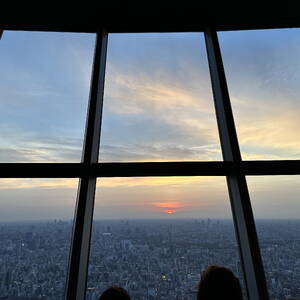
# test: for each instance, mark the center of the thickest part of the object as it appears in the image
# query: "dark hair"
(115, 293)
(217, 283)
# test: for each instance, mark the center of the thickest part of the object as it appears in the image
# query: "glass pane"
(153, 236)
(36, 218)
(263, 74)
(44, 86)
(276, 206)
(158, 102)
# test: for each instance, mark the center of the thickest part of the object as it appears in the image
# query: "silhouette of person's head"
(115, 293)
(217, 283)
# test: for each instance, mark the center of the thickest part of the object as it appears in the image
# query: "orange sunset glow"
(170, 211)
(168, 207)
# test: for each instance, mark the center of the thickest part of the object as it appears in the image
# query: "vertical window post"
(237, 185)
(78, 261)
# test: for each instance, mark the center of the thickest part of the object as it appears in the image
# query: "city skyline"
(152, 260)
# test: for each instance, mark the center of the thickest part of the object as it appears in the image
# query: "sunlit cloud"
(142, 92)
(180, 110)
(156, 181)
(27, 183)
(270, 136)
(263, 75)
(167, 204)
(268, 133)
(34, 183)
(158, 100)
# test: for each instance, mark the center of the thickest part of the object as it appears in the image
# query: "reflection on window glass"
(263, 72)
(153, 236)
(44, 86)
(158, 102)
(276, 206)
(35, 232)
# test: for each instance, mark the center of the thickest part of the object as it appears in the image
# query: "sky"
(158, 106)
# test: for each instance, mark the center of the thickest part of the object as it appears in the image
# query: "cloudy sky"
(158, 106)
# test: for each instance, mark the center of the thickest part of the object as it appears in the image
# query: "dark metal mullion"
(124, 169)
(237, 185)
(148, 169)
(79, 256)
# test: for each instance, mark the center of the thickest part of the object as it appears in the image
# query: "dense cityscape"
(152, 259)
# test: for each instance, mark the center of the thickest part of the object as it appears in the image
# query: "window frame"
(89, 169)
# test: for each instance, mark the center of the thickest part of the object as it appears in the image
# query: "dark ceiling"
(147, 17)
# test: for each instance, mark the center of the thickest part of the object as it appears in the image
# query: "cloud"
(158, 152)
(143, 92)
(33, 148)
(44, 91)
(262, 68)
(178, 120)
(158, 99)
(172, 181)
(38, 183)
(267, 132)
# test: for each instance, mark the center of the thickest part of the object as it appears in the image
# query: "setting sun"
(168, 207)
(169, 211)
